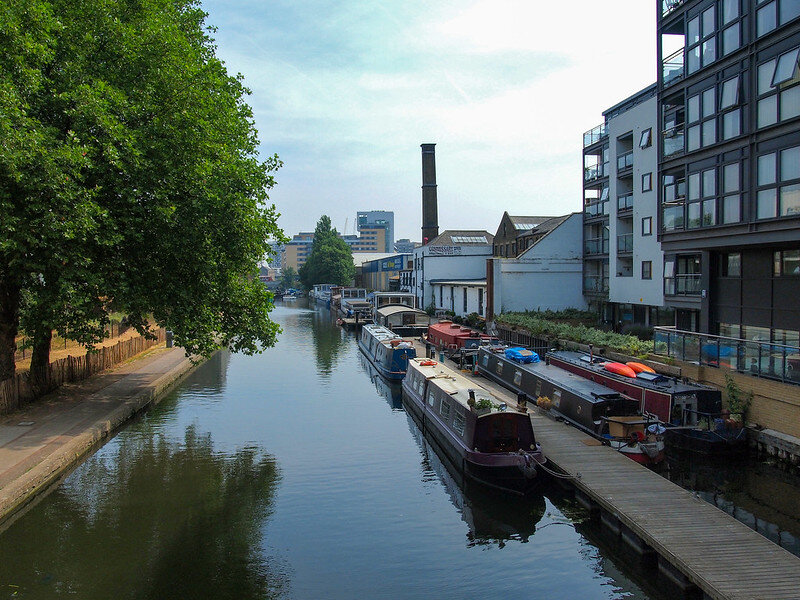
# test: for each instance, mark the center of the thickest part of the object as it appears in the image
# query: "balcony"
(594, 284)
(595, 246)
(667, 6)
(682, 285)
(594, 172)
(756, 358)
(598, 209)
(594, 135)
(624, 202)
(625, 243)
(625, 161)
(672, 67)
(673, 140)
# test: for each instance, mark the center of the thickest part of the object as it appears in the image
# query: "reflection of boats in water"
(492, 518)
(391, 391)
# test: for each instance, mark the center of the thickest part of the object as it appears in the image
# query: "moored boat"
(451, 336)
(403, 320)
(478, 434)
(387, 351)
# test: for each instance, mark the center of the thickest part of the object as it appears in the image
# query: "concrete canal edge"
(21, 493)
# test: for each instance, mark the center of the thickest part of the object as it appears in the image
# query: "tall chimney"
(430, 216)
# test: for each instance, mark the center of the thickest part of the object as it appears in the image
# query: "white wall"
(452, 298)
(470, 264)
(548, 275)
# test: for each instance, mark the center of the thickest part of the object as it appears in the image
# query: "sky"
(345, 91)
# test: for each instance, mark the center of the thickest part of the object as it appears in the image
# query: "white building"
(454, 255)
(546, 276)
(461, 297)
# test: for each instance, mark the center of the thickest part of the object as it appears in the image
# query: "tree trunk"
(9, 326)
(40, 361)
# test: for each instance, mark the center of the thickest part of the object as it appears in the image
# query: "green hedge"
(554, 330)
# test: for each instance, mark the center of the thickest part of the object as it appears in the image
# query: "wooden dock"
(698, 547)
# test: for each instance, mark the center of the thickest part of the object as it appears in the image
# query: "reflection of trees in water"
(493, 518)
(329, 340)
(211, 376)
(156, 519)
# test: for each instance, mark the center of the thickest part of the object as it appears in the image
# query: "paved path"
(43, 441)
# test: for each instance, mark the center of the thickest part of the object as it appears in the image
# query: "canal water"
(296, 474)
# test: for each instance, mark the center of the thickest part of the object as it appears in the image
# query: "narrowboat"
(479, 435)
(321, 293)
(389, 352)
(603, 413)
(691, 412)
(403, 320)
(452, 336)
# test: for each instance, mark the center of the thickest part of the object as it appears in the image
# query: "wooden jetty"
(698, 547)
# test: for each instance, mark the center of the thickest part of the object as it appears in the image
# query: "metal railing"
(754, 357)
(625, 161)
(596, 284)
(682, 285)
(625, 243)
(672, 67)
(595, 246)
(594, 135)
(625, 202)
(673, 140)
(667, 6)
(597, 209)
(594, 172)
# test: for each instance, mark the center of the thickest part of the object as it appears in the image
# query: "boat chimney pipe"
(472, 395)
(430, 211)
(591, 354)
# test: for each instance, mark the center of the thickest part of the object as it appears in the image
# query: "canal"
(295, 474)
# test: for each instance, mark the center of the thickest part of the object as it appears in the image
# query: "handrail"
(594, 135)
(667, 6)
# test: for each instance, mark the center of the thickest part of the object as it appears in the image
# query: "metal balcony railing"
(753, 357)
(594, 135)
(596, 209)
(625, 243)
(595, 284)
(667, 6)
(594, 172)
(682, 285)
(625, 202)
(595, 246)
(672, 67)
(673, 140)
(625, 161)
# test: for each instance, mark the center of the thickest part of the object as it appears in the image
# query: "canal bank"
(46, 440)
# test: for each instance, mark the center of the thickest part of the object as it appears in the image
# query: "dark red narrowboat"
(452, 336)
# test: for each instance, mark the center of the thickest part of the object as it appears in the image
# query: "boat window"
(499, 368)
(538, 387)
(517, 377)
(485, 360)
(445, 410)
(556, 398)
(458, 422)
(430, 398)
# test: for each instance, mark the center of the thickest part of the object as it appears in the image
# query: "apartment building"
(729, 166)
(377, 226)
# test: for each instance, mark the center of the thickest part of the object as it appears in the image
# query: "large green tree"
(330, 260)
(129, 178)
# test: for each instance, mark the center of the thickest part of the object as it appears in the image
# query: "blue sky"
(346, 91)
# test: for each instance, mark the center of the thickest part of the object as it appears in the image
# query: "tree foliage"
(289, 278)
(330, 260)
(129, 177)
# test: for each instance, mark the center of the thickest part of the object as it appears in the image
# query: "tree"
(288, 278)
(330, 260)
(129, 178)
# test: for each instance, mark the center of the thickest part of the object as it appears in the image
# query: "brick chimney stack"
(430, 211)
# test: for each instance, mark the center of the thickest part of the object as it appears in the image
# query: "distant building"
(381, 273)
(516, 234)
(377, 223)
(276, 257)
(460, 296)
(405, 246)
(297, 251)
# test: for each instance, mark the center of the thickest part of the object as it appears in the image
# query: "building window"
(647, 226)
(778, 89)
(702, 120)
(647, 138)
(776, 12)
(701, 208)
(787, 263)
(441, 294)
(731, 264)
(647, 182)
(465, 300)
(674, 196)
(647, 269)
(701, 49)
(778, 184)
(480, 301)
(731, 200)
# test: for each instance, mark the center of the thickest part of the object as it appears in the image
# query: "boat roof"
(452, 382)
(380, 332)
(391, 309)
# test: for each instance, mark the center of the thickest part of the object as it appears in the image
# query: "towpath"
(45, 440)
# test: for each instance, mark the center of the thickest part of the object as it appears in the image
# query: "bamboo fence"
(17, 390)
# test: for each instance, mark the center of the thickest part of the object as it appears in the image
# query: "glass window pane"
(709, 51)
(765, 72)
(709, 183)
(790, 9)
(693, 106)
(708, 22)
(709, 132)
(766, 19)
(693, 138)
(766, 169)
(730, 209)
(790, 102)
(766, 204)
(730, 10)
(731, 124)
(790, 163)
(730, 39)
(786, 67)
(768, 111)
(790, 200)
(790, 262)
(693, 215)
(693, 31)
(730, 93)
(708, 102)
(693, 61)
(694, 186)
(709, 212)
(730, 178)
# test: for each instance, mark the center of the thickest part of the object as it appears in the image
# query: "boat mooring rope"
(558, 475)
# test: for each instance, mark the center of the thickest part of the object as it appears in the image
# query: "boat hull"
(390, 361)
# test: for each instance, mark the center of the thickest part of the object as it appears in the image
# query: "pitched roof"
(545, 226)
(526, 223)
(552, 224)
(463, 237)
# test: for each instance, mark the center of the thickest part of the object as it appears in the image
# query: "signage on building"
(388, 265)
(444, 250)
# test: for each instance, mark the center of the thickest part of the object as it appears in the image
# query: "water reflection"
(176, 520)
(329, 340)
(391, 392)
(211, 379)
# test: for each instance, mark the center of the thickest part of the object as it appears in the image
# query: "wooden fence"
(15, 391)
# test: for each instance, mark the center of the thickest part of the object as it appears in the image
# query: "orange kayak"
(619, 369)
(640, 368)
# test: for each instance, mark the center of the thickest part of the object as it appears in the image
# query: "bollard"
(169, 339)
